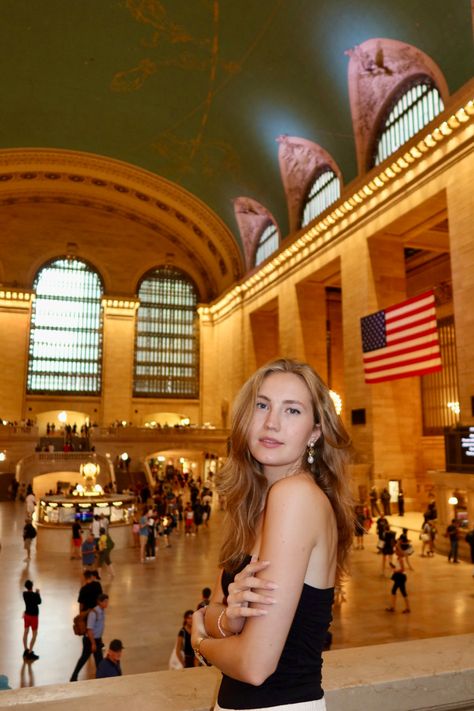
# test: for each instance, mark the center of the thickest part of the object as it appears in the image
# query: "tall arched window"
(167, 343)
(411, 109)
(267, 244)
(325, 190)
(65, 353)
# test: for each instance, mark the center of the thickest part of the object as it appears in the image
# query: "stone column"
(15, 316)
(373, 277)
(312, 322)
(118, 355)
(461, 239)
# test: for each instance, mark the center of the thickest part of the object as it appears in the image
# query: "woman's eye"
(293, 411)
(261, 405)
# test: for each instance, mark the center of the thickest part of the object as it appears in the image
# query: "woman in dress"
(290, 524)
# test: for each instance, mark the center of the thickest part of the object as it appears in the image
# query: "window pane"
(166, 344)
(65, 352)
(439, 391)
(325, 190)
(414, 109)
(268, 244)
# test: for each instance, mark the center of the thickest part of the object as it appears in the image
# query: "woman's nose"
(272, 421)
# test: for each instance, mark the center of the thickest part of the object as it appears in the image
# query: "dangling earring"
(311, 453)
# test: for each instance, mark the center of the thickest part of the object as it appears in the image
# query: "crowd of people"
(286, 464)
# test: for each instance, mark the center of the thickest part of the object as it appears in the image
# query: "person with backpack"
(105, 545)
(29, 534)
(92, 639)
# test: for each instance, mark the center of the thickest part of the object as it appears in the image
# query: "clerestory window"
(325, 190)
(411, 109)
(167, 336)
(65, 349)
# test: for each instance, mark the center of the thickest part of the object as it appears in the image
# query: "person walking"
(290, 527)
(388, 547)
(404, 549)
(399, 583)
(29, 534)
(92, 640)
(31, 616)
(110, 664)
(105, 546)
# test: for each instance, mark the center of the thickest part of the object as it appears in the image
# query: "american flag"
(401, 341)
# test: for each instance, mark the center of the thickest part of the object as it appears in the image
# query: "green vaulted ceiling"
(197, 91)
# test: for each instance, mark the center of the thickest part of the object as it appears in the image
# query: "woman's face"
(282, 425)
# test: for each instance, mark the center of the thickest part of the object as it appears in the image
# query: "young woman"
(290, 526)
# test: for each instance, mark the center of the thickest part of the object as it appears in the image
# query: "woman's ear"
(315, 435)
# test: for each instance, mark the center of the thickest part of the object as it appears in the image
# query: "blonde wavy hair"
(244, 486)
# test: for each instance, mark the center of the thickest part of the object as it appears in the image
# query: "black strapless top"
(297, 677)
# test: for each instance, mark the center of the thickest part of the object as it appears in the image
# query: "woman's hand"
(199, 628)
(245, 589)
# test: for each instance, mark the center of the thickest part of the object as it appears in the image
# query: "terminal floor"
(147, 600)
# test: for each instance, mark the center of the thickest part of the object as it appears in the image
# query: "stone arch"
(74, 197)
(252, 218)
(376, 69)
(300, 160)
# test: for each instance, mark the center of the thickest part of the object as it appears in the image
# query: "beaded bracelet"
(219, 625)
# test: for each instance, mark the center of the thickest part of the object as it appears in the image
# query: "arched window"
(65, 352)
(267, 244)
(166, 342)
(411, 110)
(325, 190)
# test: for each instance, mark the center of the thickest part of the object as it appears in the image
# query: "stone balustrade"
(430, 674)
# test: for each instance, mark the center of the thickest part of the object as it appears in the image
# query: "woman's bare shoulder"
(300, 488)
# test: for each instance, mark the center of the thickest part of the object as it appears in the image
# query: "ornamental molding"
(114, 186)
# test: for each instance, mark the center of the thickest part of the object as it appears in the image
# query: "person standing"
(31, 616)
(452, 532)
(206, 598)
(385, 499)
(29, 534)
(110, 664)
(374, 507)
(92, 640)
(290, 527)
(469, 538)
(88, 551)
(184, 648)
(143, 533)
(401, 502)
(76, 541)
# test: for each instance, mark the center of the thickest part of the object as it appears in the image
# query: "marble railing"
(424, 675)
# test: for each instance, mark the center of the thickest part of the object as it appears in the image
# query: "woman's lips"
(269, 442)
